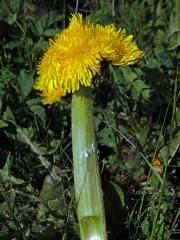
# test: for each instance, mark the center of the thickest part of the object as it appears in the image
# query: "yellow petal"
(49, 97)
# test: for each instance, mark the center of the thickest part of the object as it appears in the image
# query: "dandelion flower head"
(75, 55)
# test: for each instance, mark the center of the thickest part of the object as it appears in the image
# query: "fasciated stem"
(90, 207)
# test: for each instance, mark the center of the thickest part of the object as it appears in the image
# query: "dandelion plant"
(70, 65)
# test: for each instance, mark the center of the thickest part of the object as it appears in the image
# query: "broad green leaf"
(172, 24)
(23, 135)
(11, 18)
(140, 87)
(53, 17)
(51, 190)
(35, 147)
(37, 28)
(16, 181)
(174, 41)
(39, 111)
(51, 32)
(165, 59)
(102, 15)
(41, 45)
(25, 82)
(116, 73)
(14, 5)
(33, 101)
(54, 144)
(51, 196)
(129, 75)
(153, 63)
(8, 115)
(106, 137)
(134, 161)
(3, 124)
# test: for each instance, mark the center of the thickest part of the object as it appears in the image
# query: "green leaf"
(106, 137)
(145, 227)
(53, 17)
(41, 45)
(153, 63)
(54, 146)
(140, 87)
(16, 181)
(51, 196)
(51, 32)
(119, 191)
(25, 82)
(3, 208)
(33, 101)
(134, 161)
(37, 27)
(28, 132)
(160, 226)
(129, 75)
(116, 73)
(39, 111)
(8, 115)
(154, 181)
(3, 124)
(0, 104)
(4, 172)
(14, 5)
(11, 18)
(51, 190)
(174, 41)
(170, 151)
(172, 25)
(143, 135)
(23, 135)
(102, 16)
(13, 44)
(165, 59)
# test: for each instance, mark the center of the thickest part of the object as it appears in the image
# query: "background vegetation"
(137, 121)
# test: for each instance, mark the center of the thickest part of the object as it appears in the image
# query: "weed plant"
(137, 119)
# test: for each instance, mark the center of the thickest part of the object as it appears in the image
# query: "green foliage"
(137, 119)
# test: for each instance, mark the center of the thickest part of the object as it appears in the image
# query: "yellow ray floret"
(75, 56)
(51, 96)
(116, 46)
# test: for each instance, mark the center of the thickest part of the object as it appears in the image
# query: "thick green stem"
(90, 208)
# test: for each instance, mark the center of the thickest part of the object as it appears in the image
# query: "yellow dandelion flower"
(75, 55)
(116, 46)
(72, 59)
(49, 97)
(158, 165)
